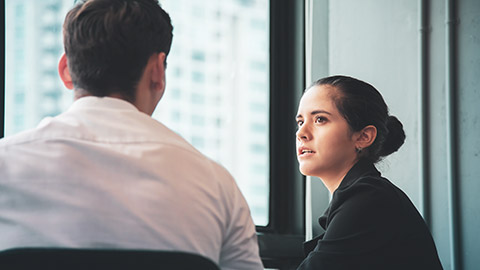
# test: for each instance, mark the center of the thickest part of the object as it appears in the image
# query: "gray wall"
(379, 41)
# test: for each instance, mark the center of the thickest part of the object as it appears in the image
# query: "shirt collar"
(92, 102)
(360, 169)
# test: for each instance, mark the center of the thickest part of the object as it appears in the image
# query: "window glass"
(33, 46)
(217, 94)
(224, 45)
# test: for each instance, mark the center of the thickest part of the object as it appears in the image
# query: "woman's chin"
(305, 170)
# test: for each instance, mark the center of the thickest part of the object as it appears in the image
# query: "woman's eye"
(320, 119)
(299, 123)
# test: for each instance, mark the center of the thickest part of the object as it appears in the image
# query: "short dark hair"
(108, 43)
(362, 105)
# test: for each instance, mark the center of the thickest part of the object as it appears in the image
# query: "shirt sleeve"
(240, 246)
(361, 221)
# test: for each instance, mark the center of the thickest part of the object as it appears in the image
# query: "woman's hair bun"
(395, 136)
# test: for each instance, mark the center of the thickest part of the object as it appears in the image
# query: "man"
(104, 174)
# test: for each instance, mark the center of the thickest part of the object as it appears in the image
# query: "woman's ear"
(365, 137)
(64, 72)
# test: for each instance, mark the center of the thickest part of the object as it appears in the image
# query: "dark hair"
(362, 105)
(108, 43)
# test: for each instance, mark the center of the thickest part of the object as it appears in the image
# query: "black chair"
(87, 259)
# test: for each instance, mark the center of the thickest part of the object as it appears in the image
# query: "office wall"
(469, 130)
(381, 42)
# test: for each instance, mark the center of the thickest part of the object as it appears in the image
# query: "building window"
(198, 77)
(198, 56)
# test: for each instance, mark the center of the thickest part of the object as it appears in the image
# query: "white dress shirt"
(105, 175)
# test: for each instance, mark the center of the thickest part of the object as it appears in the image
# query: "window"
(198, 56)
(197, 76)
(33, 45)
(233, 82)
(221, 71)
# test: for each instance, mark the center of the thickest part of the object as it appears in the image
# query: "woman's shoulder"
(370, 193)
(368, 185)
(364, 177)
(364, 190)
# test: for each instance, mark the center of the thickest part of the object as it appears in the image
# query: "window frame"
(279, 241)
(2, 76)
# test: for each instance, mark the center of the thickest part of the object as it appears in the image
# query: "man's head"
(108, 44)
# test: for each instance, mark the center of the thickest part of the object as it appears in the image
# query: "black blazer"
(371, 224)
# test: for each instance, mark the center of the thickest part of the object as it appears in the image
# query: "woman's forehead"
(318, 97)
(321, 91)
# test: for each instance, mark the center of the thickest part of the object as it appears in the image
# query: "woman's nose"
(302, 133)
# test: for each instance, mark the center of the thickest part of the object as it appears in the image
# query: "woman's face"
(325, 144)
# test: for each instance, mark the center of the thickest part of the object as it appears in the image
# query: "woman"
(343, 129)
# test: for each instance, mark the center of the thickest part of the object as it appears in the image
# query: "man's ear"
(64, 72)
(158, 73)
(365, 137)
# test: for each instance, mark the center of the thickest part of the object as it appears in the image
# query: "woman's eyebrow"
(320, 111)
(314, 113)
